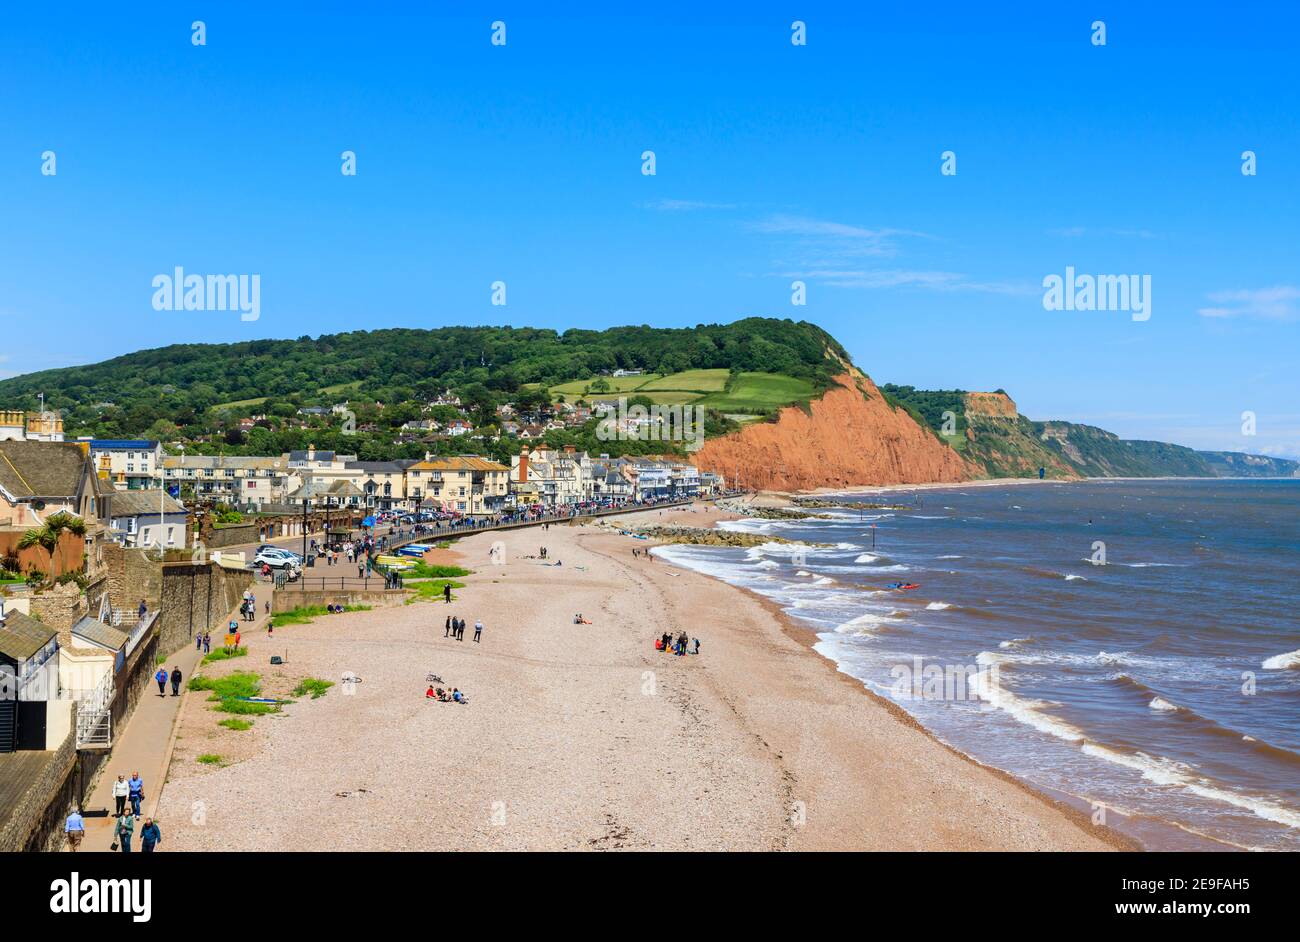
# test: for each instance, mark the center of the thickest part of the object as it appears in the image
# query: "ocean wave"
(987, 685)
(1014, 643)
(1169, 772)
(1159, 703)
(1282, 662)
(1071, 577)
(950, 557)
(938, 606)
(823, 580)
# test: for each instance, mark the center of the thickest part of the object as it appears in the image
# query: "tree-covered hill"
(179, 384)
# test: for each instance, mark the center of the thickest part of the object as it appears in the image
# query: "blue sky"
(522, 163)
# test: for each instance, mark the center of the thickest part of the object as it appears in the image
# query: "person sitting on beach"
(666, 640)
(457, 696)
(430, 694)
(579, 620)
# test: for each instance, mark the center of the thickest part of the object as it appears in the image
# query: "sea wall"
(197, 597)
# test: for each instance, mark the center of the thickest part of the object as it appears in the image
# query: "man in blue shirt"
(75, 829)
(151, 836)
(136, 787)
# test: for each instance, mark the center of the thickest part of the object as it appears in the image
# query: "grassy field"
(704, 381)
(617, 384)
(758, 392)
(749, 392)
(241, 403)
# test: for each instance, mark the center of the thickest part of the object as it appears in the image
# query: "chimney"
(523, 465)
(311, 452)
(569, 449)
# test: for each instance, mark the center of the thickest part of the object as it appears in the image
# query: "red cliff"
(849, 437)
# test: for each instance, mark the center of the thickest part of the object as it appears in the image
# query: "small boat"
(904, 585)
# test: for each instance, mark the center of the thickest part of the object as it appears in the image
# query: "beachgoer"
(176, 681)
(697, 646)
(161, 677)
(136, 788)
(75, 829)
(150, 836)
(447, 631)
(207, 642)
(429, 694)
(198, 642)
(478, 629)
(122, 832)
(120, 791)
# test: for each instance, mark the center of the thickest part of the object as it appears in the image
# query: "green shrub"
(314, 686)
(235, 724)
(209, 758)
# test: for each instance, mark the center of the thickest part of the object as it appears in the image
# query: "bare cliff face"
(852, 437)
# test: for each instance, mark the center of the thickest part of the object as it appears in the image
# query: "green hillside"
(188, 386)
(1006, 446)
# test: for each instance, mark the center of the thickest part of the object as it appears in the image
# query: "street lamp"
(306, 502)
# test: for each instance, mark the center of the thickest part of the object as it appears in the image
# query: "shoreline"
(807, 637)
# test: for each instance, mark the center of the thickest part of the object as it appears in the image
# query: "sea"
(1129, 647)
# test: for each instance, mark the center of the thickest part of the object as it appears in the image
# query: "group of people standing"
(456, 629)
(678, 645)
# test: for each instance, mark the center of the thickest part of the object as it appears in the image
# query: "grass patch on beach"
(227, 691)
(305, 614)
(210, 758)
(314, 686)
(430, 590)
(422, 570)
(224, 654)
(238, 725)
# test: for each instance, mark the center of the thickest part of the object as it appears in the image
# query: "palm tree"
(50, 535)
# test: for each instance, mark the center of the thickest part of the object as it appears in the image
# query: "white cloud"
(1281, 303)
(904, 278)
(678, 206)
(837, 239)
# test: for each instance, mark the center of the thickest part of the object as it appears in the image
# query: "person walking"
(75, 829)
(478, 630)
(122, 832)
(446, 593)
(198, 642)
(361, 571)
(446, 633)
(460, 629)
(120, 791)
(135, 787)
(207, 642)
(176, 681)
(150, 836)
(143, 608)
(161, 677)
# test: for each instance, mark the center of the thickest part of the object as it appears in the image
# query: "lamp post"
(306, 501)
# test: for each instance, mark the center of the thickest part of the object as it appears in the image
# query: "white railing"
(95, 714)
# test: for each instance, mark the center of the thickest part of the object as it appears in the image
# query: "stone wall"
(197, 597)
(288, 599)
(36, 822)
(132, 576)
(60, 607)
(235, 535)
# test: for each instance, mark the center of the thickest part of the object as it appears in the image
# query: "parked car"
(277, 559)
